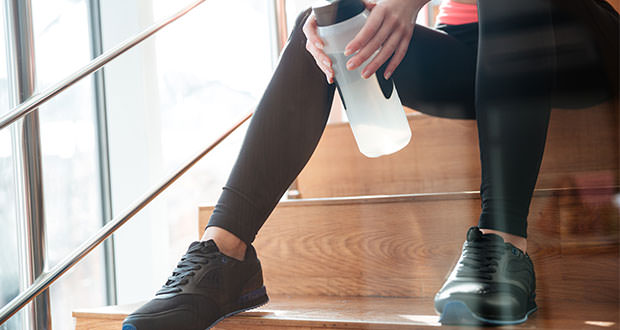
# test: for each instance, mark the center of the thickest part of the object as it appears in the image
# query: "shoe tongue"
(474, 234)
(203, 246)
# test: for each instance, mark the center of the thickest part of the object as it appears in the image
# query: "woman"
(506, 68)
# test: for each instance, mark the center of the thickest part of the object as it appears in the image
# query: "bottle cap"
(337, 11)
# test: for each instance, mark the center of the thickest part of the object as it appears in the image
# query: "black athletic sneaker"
(206, 287)
(493, 283)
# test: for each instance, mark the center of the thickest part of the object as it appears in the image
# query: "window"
(69, 151)
(167, 99)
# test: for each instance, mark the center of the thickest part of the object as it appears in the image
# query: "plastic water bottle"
(372, 105)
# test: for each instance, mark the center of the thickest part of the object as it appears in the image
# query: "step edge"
(374, 199)
(269, 316)
(283, 321)
(250, 316)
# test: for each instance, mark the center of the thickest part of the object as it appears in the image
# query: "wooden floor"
(339, 313)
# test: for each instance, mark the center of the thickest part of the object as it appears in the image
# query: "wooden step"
(357, 313)
(404, 246)
(443, 155)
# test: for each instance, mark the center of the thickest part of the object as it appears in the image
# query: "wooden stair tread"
(115, 312)
(321, 312)
(443, 155)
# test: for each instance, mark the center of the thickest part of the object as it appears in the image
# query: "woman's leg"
(282, 135)
(493, 282)
(437, 75)
(516, 65)
(292, 114)
(518, 59)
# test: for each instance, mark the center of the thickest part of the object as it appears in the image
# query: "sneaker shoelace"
(193, 260)
(480, 259)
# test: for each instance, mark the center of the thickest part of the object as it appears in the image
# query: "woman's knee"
(299, 24)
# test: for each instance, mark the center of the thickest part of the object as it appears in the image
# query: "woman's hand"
(314, 45)
(389, 27)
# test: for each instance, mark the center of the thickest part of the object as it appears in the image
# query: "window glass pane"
(9, 276)
(70, 169)
(4, 82)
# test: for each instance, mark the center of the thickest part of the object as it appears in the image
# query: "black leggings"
(506, 72)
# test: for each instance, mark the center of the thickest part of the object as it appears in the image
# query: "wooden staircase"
(372, 240)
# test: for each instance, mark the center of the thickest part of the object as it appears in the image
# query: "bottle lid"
(337, 11)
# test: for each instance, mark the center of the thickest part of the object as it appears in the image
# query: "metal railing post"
(103, 150)
(27, 148)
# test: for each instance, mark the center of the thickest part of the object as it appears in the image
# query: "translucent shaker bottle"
(372, 105)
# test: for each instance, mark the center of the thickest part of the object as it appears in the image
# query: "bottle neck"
(337, 11)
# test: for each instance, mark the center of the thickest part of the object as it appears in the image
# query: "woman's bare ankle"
(228, 243)
(518, 241)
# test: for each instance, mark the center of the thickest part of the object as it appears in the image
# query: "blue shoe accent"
(251, 296)
(456, 312)
(129, 327)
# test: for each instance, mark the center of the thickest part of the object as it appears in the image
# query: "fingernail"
(365, 74)
(387, 75)
(347, 52)
(326, 62)
(318, 45)
(350, 65)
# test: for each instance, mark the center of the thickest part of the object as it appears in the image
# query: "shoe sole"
(247, 302)
(457, 313)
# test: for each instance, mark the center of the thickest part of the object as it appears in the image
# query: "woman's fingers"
(387, 33)
(314, 45)
(310, 30)
(386, 51)
(369, 4)
(322, 61)
(371, 47)
(372, 25)
(400, 53)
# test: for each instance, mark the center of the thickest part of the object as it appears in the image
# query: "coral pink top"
(456, 13)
